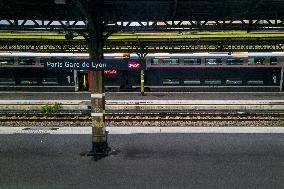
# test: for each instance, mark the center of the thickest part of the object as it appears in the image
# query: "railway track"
(142, 117)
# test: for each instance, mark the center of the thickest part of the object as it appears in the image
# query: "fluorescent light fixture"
(134, 55)
(162, 54)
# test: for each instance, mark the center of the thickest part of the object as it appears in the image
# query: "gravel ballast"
(149, 124)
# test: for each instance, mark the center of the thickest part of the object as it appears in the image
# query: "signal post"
(142, 73)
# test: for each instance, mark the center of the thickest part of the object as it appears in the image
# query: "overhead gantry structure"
(156, 16)
(144, 15)
(97, 20)
(155, 44)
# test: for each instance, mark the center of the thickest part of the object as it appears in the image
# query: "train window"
(255, 82)
(154, 61)
(7, 81)
(165, 61)
(7, 60)
(235, 61)
(212, 82)
(192, 61)
(170, 82)
(234, 81)
(191, 82)
(256, 61)
(28, 81)
(273, 61)
(49, 81)
(251, 61)
(26, 61)
(213, 61)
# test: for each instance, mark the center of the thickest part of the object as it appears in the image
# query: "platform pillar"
(95, 43)
(99, 135)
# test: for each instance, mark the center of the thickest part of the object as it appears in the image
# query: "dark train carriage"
(26, 73)
(213, 76)
(172, 72)
(223, 72)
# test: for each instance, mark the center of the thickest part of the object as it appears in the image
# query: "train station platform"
(141, 160)
(245, 101)
(166, 96)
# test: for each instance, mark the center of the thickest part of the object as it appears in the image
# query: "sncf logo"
(133, 64)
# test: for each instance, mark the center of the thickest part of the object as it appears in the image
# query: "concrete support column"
(99, 138)
(96, 42)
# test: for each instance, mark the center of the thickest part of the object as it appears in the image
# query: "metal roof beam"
(148, 46)
(142, 26)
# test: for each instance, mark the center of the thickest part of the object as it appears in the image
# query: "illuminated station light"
(134, 55)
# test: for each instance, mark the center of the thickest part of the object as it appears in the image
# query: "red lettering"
(110, 72)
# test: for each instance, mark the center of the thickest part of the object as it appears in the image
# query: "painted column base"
(99, 149)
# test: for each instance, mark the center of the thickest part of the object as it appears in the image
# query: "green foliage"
(57, 107)
(45, 108)
(280, 122)
(51, 108)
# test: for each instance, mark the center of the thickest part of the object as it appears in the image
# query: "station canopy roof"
(27, 25)
(143, 10)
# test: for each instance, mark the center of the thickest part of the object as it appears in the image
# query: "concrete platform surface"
(158, 160)
(152, 101)
(138, 130)
(149, 96)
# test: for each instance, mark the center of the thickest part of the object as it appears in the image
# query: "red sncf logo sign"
(133, 64)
